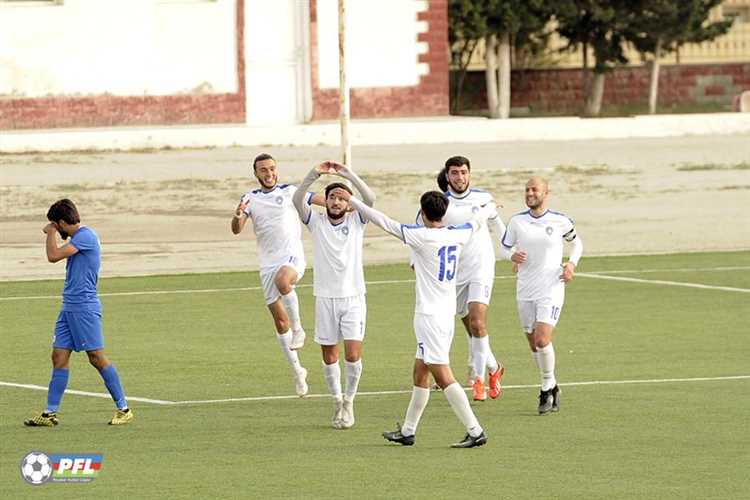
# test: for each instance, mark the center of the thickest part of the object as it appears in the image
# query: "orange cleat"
(479, 394)
(495, 389)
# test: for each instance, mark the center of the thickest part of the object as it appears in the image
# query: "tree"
(601, 26)
(499, 23)
(508, 21)
(466, 27)
(662, 26)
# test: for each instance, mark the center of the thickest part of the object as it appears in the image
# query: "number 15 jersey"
(435, 254)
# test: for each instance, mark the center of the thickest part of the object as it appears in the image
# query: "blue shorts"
(79, 331)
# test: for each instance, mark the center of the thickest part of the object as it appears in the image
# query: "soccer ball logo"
(36, 468)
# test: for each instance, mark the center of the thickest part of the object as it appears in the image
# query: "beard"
(63, 235)
(456, 190)
(334, 216)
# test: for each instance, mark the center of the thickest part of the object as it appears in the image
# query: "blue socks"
(57, 385)
(112, 381)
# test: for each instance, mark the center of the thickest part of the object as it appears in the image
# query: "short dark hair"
(63, 210)
(442, 180)
(457, 161)
(335, 185)
(434, 205)
(261, 157)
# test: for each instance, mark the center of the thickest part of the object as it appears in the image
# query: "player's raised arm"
(55, 253)
(377, 217)
(240, 215)
(303, 208)
(368, 195)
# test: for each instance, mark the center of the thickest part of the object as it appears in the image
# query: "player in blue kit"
(79, 324)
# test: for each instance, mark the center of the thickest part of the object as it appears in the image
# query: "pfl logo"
(38, 468)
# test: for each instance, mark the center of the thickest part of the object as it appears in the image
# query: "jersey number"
(447, 263)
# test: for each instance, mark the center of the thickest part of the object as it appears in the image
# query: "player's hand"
(497, 203)
(341, 193)
(518, 257)
(326, 167)
(340, 169)
(568, 271)
(50, 228)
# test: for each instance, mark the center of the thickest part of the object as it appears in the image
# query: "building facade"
(99, 63)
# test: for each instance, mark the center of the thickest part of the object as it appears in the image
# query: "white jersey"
(478, 255)
(337, 255)
(542, 240)
(276, 224)
(436, 253)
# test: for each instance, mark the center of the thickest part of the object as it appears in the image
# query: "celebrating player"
(537, 235)
(435, 251)
(79, 324)
(339, 283)
(476, 273)
(282, 261)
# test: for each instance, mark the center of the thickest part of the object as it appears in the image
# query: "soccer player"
(537, 236)
(339, 283)
(476, 273)
(79, 324)
(435, 252)
(282, 260)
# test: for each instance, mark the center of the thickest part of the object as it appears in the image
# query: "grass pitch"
(206, 338)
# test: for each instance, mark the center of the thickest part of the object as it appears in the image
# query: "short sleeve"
(84, 240)
(247, 199)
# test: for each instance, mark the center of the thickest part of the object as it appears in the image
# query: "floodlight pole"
(344, 113)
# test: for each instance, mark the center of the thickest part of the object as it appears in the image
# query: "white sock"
(535, 357)
(460, 404)
(479, 356)
(470, 361)
(353, 372)
(419, 398)
(332, 374)
(547, 366)
(291, 356)
(490, 360)
(291, 304)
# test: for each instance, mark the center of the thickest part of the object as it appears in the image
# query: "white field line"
(594, 274)
(85, 393)
(380, 393)
(663, 282)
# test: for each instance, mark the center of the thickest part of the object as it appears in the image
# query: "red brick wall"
(109, 110)
(559, 90)
(428, 98)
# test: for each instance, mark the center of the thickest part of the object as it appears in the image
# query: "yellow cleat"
(122, 417)
(42, 420)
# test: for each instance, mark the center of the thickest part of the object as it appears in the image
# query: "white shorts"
(544, 310)
(338, 319)
(472, 291)
(434, 337)
(268, 277)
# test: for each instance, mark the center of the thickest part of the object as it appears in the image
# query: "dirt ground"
(161, 212)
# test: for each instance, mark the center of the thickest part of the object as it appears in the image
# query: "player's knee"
(478, 327)
(352, 357)
(97, 360)
(282, 325)
(284, 285)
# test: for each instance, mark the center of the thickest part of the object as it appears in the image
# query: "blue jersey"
(82, 273)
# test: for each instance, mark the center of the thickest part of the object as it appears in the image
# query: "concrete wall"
(399, 58)
(108, 62)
